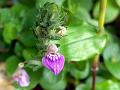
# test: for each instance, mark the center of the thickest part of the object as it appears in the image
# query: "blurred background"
(18, 44)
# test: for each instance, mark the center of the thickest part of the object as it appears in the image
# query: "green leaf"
(29, 53)
(108, 85)
(118, 2)
(10, 32)
(79, 17)
(81, 87)
(11, 64)
(5, 15)
(112, 57)
(18, 10)
(29, 18)
(83, 4)
(99, 79)
(112, 11)
(76, 5)
(82, 42)
(51, 82)
(29, 3)
(34, 78)
(78, 9)
(34, 64)
(79, 70)
(28, 39)
(2, 2)
(18, 49)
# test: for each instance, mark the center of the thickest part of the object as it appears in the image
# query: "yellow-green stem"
(102, 10)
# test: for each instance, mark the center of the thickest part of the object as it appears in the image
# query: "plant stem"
(94, 69)
(102, 10)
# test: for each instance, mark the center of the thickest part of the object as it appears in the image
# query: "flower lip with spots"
(52, 60)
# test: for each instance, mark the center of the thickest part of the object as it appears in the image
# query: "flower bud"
(21, 77)
(62, 31)
(52, 48)
(21, 65)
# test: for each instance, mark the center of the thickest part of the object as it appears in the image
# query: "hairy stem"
(94, 69)
(102, 10)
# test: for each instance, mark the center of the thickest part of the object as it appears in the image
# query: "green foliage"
(5, 15)
(9, 33)
(79, 70)
(103, 85)
(29, 53)
(28, 26)
(51, 82)
(108, 85)
(81, 87)
(30, 3)
(2, 2)
(18, 49)
(118, 2)
(82, 42)
(12, 64)
(111, 13)
(112, 57)
(28, 39)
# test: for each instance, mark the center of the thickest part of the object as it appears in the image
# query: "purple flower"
(21, 77)
(54, 63)
(53, 60)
